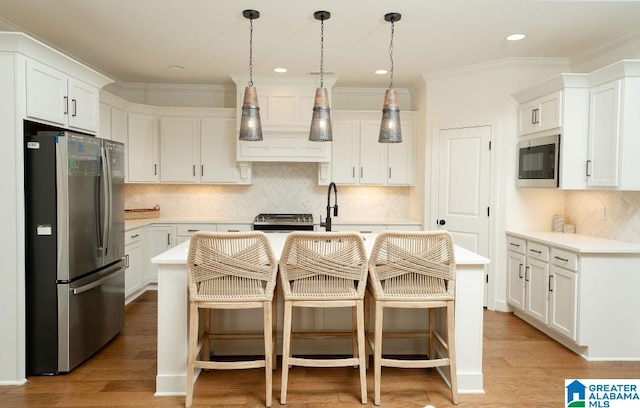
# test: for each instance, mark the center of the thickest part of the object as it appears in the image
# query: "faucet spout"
(327, 223)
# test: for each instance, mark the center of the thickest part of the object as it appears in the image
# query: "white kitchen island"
(173, 316)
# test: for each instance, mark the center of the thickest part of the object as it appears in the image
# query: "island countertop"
(178, 254)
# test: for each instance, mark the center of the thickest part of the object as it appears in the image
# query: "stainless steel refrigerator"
(74, 266)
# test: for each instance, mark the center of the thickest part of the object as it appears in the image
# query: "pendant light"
(250, 126)
(321, 120)
(390, 131)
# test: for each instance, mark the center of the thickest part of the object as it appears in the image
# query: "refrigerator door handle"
(107, 216)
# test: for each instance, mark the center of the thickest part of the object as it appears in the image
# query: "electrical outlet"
(363, 200)
(603, 213)
(223, 199)
(136, 198)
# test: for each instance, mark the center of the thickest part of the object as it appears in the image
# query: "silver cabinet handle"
(515, 245)
(389, 172)
(66, 105)
(361, 172)
(75, 107)
(535, 251)
(194, 170)
(135, 236)
(526, 274)
(520, 270)
(550, 288)
(155, 169)
(202, 169)
(169, 239)
(588, 174)
(561, 259)
(126, 261)
(353, 172)
(192, 230)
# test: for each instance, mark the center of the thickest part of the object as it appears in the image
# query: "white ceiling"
(136, 41)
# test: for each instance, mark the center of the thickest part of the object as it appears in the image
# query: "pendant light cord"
(250, 52)
(391, 55)
(322, 53)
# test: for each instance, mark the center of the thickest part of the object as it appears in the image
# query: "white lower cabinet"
(134, 283)
(158, 238)
(530, 287)
(579, 290)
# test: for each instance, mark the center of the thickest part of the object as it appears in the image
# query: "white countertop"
(178, 254)
(579, 243)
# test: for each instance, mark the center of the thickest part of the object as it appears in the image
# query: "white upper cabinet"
(59, 99)
(179, 149)
(614, 126)
(358, 158)
(218, 153)
(540, 114)
(200, 149)
(143, 151)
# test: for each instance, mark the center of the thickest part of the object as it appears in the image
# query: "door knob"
(442, 222)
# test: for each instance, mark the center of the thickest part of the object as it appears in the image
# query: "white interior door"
(463, 187)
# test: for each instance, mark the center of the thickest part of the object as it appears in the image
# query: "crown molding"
(535, 63)
(353, 91)
(603, 47)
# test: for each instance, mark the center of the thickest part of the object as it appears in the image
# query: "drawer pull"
(536, 251)
(515, 245)
(192, 230)
(233, 230)
(135, 236)
(561, 259)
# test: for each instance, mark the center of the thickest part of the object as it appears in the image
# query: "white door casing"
(463, 182)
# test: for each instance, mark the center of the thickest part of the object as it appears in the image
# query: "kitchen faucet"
(327, 222)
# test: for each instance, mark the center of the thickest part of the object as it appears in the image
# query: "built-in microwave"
(538, 162)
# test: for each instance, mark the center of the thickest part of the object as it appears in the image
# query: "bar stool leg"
(286, 350)
(361, 350)
(377, 351)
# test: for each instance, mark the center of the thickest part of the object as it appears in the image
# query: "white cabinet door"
(158, 238)
(46, 93)
(83, 105)
(105, 121)
(218, 151)
(57, 98)
(401, 157)
(604, 135)
(132, 277)
(516, 283)
(537, 294)
(540, 114)
(142, 149)
(563, 301)
(179, 157)
(373, 155)
(118, 125)
(345, 152)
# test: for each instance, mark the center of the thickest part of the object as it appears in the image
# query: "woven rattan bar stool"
(229, 271)
(414, 270)
(324, 269)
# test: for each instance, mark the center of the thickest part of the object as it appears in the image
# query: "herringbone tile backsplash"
(276, 188)
(607, 214)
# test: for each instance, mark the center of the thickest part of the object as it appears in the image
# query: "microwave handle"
(588, 174)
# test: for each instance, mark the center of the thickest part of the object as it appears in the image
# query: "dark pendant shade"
(321, 120)
(390, 131)
(250, 126)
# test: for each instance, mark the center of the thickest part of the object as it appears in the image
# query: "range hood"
(286, 106)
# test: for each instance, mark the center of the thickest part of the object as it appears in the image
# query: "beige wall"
(606, 214)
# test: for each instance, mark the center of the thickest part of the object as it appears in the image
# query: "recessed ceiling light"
(176, 67)
(280, 70)
(380, 72)
(515, 37)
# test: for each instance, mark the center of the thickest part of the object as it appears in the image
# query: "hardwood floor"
(522, 368)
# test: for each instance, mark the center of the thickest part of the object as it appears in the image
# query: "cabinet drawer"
(132, 236)
(190, 229)
(537, 251)
(516, 244)
(234, 227)
(564, 259)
